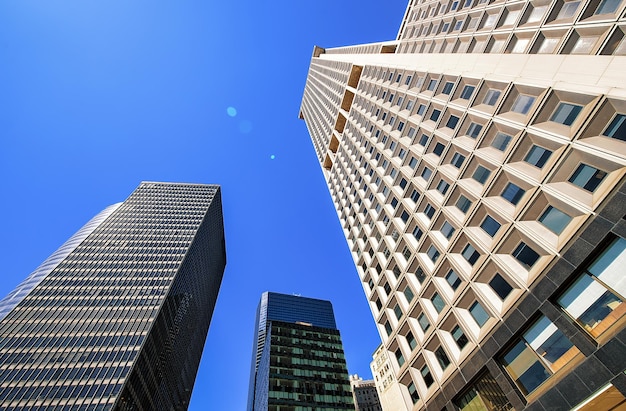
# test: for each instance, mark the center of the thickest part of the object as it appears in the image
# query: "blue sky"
(96, 96)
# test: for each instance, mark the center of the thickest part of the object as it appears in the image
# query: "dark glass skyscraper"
(298, 362)
(116, 319)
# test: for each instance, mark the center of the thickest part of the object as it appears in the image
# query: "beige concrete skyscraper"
(477, 166)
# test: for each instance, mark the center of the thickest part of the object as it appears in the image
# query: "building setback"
(477, 167)
(364, 394)
(116, 319)
(298, 362)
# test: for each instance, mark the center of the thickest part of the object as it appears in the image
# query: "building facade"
(477, 167)
(99, 325)
(298, 362)
(364, 394)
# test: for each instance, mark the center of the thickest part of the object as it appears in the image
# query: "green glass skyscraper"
(116, 319)
(298, 362)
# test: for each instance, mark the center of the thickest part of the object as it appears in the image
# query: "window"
(555, 220)
(463, 203)
(492, 96)
(443, 187)
(429, 210)
(478, 313)
(411, 340)
(500, 286)
(525, 255)
(442, 358)
(432, 84)
(400, 125)
(616, 128)
(447, 88)
(398, 312)
(457, 160)
(388, 328)
(438, 149)
(474, 130)
(447, 230)
(587, 177)
(403, 183)
(423, 140)
(413, 392)
(501, 141)
(438, 302)
(421, 109)
(379, 305)
(370, 284)
(467, 92)
(453, 279)
(419, 274)
(568, 10)
(522, 104)
(415, 196)
(398, 78)
(426, 173)
(452, 122)
(458, 25)
(566, 113)
(413, 162)
(481, 174)
(417, 233)
(490, 226)
(434, 116)
(408, 80)
(427, 376)
(399, 357)
(406, 252)
(433, 253)
(537, 156)
(459, 337)
(470, 254)
(423, 321)
(408, 293)
(512, 193)
(542, 350)
(387, 288)
(595, 300)
(607, 6)
(410, 104)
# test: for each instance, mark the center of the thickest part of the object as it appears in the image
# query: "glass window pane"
(608, 267)
(453, 279)
(479, 314)
(467, 92)
(587, 177)
(522, 104)
(513, 193)
(607, 6)
(537, 156)
(566, 113)
(447, 88)
(463, 204)
(525, 255)
(438, 302)
(500, 286)
(492, 96)
(423, 321)
(501, 141)
(442, 358)
(617, 128)
(474, 130)
(490, 226)
(408, 293)
(481, 174)
(555, 220)
(459, 337)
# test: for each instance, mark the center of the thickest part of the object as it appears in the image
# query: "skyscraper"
(477, 167)
(116, 319)
(297, 359)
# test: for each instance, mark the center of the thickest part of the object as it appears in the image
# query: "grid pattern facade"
(364, 394)
(460, 182)
(297, 358)
(100, 331)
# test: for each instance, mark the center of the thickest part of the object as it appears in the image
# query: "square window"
(398, 312)
(467, 92)
(403, 183)
(501, 141)
(453, 279)
(474, 130)
(447, 230)
(408, 293)
(388, 328)
(429, 211)
(452, 122)
(434, 116)
(399, 357)
(481, 174)
(438, 302)
(408, 80)
(423, 321)
(421, 109)
(617, 128)
(433, 254)
(587, 177)
(500, 286)
(522, 104)
(427, 376)
(423, 140)
(470, 254)
(607, 6)
(387, 288)
(457, 160)
(566, 113)
(555, 220)
(492, 96)
(415, 196)
(478, 313)
(432, 84)
(438, 149)
(490, 225)
(404, 216)
(442, 358)
(379, 305)
(413, 162)
(537, 156)
(411, 340)
(447, 88)
(417, 233)
(512, 193)
(443, 187)
(413, 392)
(568, 10)
(459, 337)
(525, 255)
(463, 203)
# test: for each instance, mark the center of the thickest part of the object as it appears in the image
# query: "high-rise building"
(116, 319)
(477, 167)
(297, 359)
(364, 394)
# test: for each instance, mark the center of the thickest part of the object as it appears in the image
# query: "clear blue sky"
(96, 96)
